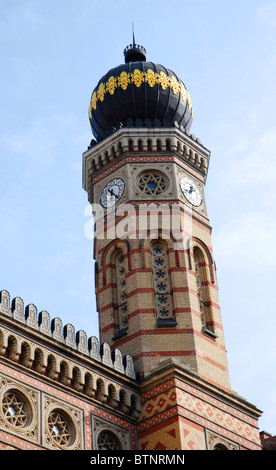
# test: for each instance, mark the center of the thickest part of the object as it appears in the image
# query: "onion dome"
(139, 94)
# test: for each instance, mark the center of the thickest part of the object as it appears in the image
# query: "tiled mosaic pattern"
(193, 411)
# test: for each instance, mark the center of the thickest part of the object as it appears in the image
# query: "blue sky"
(52, 56)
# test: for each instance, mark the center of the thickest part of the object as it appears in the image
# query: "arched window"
(217, 442)
(162, 284)
(220, 447)
(119, 292)
(203, 292)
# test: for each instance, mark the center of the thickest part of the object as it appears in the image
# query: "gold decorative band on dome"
(137, 77)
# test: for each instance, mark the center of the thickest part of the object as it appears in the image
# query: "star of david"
(152, 184)
(59, 429)
(14, 410)
(106, 442)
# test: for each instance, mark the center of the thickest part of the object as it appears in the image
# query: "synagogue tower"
(157, 378)
(145, 175)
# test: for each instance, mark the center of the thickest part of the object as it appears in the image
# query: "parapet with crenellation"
(65, 334)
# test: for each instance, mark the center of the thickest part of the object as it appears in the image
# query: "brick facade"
(204, 353)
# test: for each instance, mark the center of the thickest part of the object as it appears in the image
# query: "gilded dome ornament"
(124, 80)
(101, 92)
(175, 85)
(90, 111)
(111, 85)
(151, 77)
(93, 104)
(183, 92)
(137, 77)
(94, 100)
(164, 80)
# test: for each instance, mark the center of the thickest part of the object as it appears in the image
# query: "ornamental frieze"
(137, 77)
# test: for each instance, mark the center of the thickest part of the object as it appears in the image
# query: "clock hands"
(192, 189)
(111, 191)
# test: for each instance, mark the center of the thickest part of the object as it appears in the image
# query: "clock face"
(112, 192)
(190, 191)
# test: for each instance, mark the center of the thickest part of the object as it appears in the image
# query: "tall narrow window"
(120, 297)
(203, 292)
(162, 285)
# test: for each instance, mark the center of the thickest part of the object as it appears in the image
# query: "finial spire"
(134, 52)
(133, 38)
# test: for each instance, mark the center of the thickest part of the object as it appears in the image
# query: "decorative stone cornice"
(36, 346)
(42, 325)
(141, 141)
